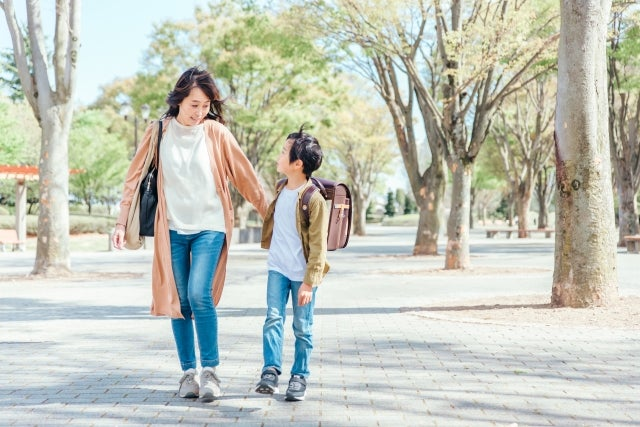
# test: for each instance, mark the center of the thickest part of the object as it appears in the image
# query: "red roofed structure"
(21, 174)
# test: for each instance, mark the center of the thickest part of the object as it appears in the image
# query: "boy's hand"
(305, 293)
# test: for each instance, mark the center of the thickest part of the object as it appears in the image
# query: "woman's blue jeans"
(194, 258)
(278, 289)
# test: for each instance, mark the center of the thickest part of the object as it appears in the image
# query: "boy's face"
(283, 165)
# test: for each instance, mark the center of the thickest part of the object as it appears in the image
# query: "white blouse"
(193, 204)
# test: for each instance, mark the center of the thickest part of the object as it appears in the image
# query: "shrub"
(78, 224)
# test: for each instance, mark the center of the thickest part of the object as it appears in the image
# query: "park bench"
(492, 232)
(9, 237)
(632, 243)
(547, 232)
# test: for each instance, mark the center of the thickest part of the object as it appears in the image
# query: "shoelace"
(209, 376)
(188, 378)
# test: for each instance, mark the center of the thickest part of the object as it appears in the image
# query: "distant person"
(194, 220)
(296, 264)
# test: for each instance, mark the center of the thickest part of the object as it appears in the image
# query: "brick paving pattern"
(85, 352)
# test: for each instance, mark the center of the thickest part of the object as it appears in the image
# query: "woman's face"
(194, 108)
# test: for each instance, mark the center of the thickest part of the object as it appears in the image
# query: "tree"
(456, 77)
(487, 52)
(545, 190)
(390, 206)
(585, 253)
(99, 154)
(20, 134)
(9, 78)
(52, 104)
(273, 82)
(391, 40)
(524, 136)
(360, 144)
(624, 113)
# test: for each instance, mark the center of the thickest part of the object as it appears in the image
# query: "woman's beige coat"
(228, 163)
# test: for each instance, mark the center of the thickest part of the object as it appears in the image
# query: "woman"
(194, 220)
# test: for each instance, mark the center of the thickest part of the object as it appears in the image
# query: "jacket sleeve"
(241, 173)
(133, 174)
(318, 229)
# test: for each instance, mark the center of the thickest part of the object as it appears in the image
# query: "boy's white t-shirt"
(285, 251)
(193, 204)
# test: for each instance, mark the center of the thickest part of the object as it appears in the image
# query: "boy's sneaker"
(188, 385)
(268, 382)
(297, 388)
(209, 385)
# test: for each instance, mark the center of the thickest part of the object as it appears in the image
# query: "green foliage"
(275, 81)
(9, 76)
(78, 224)
(100, 154)
(20, 133)
(410, 206)
(627, 54)
(390, 206)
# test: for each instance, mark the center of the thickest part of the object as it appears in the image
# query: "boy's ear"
(298, 163)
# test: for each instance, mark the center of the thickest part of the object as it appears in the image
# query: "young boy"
(296, 262)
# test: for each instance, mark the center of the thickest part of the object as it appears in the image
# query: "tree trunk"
(429, 205)
(544, 190)
(627, 209)
(359, 214)
(523, 203)
(52, 252)
(585, 252)
(457, 254)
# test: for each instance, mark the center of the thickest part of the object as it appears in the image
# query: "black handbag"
(149, 192)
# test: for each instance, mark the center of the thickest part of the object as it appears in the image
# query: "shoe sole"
(189, 396)
(290, 398)
(265, 389)
(208, 397)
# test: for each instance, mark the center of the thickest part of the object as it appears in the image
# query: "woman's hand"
(118, 237)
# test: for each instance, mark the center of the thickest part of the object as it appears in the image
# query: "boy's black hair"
(307, 149)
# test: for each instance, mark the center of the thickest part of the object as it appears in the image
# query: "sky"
(114, 35)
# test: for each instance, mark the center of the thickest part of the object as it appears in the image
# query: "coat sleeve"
(318, 229)
(133, 175)
(241, 173)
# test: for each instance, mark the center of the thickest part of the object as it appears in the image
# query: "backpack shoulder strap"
(304, 201)
(280, 184)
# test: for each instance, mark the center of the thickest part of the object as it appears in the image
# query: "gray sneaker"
(268, 382)
(188, 384)
(297, 389)
(209, 385)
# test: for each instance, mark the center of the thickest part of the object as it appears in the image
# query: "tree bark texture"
(52, 250)
(428, 187)
(624, 122)
(52, 106)
(359, 214)
(457, 253)
(585, 247)
(544, 193)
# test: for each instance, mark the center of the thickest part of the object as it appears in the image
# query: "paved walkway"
(85, 352)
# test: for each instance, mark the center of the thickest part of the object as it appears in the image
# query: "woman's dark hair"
(306, 148)
(195, 77)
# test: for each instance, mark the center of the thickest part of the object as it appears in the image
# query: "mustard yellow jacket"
(228, 163)
(313, 237)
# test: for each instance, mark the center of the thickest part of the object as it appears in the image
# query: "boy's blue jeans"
(278, 289)
(194, 258)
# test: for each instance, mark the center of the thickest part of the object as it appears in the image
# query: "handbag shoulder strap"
(156, 155)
